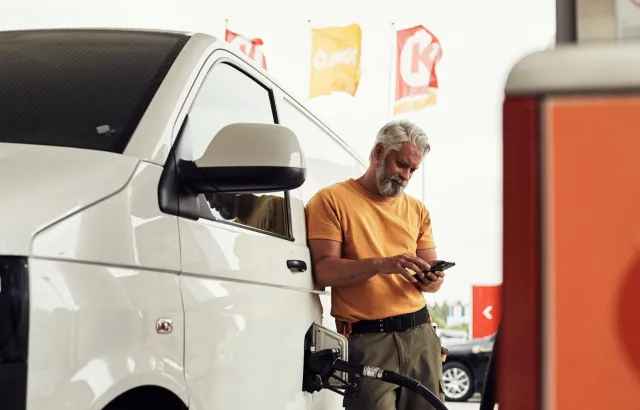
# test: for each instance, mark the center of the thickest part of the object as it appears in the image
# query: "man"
(367, 240)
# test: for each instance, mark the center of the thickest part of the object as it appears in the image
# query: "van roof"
(97, 30)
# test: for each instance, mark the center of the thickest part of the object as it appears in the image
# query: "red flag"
(251, 47)
(418, 53)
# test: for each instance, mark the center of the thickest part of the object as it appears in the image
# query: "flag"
(335, 60)
(418, 52)
(250, 47)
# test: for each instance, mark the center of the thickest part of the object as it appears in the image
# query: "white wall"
(480, 40)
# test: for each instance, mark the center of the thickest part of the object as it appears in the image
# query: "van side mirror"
(244, 158)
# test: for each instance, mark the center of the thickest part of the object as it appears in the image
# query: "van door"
(245, 278)
(329, 160)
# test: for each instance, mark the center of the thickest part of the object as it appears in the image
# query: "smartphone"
(439, 266)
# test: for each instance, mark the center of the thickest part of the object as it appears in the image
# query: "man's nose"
(405, 174)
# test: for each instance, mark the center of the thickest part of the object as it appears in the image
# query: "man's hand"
(403, 265)
(437, 278)
(432, 287)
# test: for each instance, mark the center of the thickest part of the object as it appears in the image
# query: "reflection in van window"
(265, 212)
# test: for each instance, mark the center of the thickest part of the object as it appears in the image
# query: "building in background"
(459, 314)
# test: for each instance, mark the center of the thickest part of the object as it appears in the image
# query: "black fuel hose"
(390, 377)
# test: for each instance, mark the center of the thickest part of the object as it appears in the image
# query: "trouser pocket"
(442, 395)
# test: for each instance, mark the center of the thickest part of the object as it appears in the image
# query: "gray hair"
(395, 133)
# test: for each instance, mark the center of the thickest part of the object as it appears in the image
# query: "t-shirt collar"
(369, 194)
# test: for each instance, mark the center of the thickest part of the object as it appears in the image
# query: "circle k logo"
(418, 57)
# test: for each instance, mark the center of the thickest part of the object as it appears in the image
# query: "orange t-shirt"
(371, 226)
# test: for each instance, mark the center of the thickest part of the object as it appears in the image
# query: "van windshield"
(80, 88)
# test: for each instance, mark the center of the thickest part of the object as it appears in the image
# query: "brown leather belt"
(398, 323)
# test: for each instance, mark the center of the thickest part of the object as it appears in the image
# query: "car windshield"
(80, 88)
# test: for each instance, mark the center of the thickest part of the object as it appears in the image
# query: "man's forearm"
(337, 272)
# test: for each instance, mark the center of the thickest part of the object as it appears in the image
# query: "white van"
(152, 230)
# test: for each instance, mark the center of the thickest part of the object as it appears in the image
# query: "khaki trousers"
(415, 353)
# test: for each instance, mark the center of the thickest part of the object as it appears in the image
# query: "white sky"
(481, 41)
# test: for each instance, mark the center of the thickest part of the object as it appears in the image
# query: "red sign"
(250, 47)
(487, 305)
(418, 52)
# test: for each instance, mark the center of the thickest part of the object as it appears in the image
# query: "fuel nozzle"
(321, 367)
(321, 363)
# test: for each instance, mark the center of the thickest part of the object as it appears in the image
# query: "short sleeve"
(322, 219)
(425, 237)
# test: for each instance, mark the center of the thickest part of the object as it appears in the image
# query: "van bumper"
(13, 386)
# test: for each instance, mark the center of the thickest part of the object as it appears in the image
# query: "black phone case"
(440, 266)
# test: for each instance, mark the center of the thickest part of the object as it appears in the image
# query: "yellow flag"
(335, 60)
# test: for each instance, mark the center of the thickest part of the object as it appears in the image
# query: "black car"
(465, 368)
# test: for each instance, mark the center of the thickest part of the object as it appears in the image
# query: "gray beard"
(389, 186)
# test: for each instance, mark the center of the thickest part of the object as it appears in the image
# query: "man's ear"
(377, 152)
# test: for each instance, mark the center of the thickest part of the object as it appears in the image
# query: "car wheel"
(458, 381)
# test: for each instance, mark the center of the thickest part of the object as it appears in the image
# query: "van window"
(80, 88)
(264, 212)
(328, 161)
(228, 96)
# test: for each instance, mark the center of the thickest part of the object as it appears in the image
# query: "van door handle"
(296, 265)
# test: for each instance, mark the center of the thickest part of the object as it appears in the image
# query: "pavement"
(472, 404)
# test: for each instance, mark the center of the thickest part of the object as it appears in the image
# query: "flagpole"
(424, 183)
(390, 96)
(309, 60)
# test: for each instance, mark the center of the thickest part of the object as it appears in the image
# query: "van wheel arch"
(147, 397)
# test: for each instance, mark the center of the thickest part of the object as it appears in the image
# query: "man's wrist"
(375, 265)
(434, 287)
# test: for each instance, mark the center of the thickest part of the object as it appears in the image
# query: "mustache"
(398, 180)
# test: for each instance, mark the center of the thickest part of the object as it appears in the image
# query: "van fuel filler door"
(317, 339)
